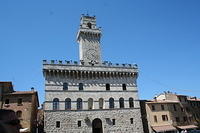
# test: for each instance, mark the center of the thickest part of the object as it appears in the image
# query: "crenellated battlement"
(81, 63)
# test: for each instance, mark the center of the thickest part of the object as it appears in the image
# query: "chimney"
(32, 88)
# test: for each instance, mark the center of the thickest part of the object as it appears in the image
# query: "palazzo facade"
(91, 96)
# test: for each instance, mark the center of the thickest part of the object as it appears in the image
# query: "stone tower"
(92, 96)
(88, 38)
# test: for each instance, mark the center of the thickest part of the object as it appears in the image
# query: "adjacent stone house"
(25, 104)
(169, 112)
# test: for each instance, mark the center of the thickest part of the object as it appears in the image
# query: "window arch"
(80, 86)
(67, 103)
(55, 104)
(90, 103)
(65, 86)
(121, 102)
(111, 103)
(79, 104)
(101, 102)
(19, 114)
(131, 102)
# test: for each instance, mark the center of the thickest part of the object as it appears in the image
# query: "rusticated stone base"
(69, 121)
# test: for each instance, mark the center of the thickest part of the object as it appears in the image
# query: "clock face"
(91, 54)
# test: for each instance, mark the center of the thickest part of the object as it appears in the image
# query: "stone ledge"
(92, 110)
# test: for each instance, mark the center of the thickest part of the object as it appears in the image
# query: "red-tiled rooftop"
(164, 128)
(193, 99)
(22, 92)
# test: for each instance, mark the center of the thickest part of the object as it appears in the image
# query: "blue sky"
(161, 36)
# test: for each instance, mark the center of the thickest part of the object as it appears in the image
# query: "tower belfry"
(88, 37)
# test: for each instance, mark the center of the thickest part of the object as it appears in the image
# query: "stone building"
(40, 120)
(169, 112)
(24, 103)
(5, 87)
(91, 96)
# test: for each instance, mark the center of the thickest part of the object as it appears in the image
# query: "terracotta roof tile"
(22, 92)
(163, 101)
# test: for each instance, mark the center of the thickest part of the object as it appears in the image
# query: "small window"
(107, 87)
(155, 118)
(162, 107)
(131, 120)
(19, 114)
(57, 124)
(89, 25)
(164, 118)
(7, 101)
(19, 101)
(79, 123)
(153, 107)
(185, 119)
(177, 119)
(113, 121)
(65, 86)
(124, 87)
(80, 86)
(174, 107)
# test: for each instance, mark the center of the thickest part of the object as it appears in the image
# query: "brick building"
(170, 113)
(24, 103)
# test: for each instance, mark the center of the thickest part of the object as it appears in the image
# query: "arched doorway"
(97, 126)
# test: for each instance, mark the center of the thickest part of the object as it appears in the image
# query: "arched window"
(101, 101)
(79, 104)
(124, 87)
(19, 114)
(111, 103)
(80, 86)
(121, 102)
(90, 103)
(65, 86)
(67, 103)
(131, 102)
(55, 104)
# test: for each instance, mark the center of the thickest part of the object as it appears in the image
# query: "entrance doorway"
(97, 126)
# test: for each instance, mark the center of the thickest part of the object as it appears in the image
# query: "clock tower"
(88, 37)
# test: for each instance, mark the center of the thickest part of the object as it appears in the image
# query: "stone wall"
(94, 86)
(69, 119)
